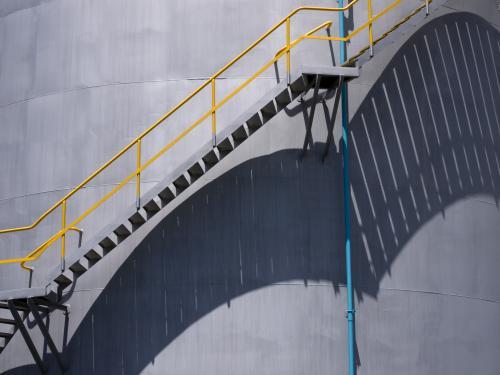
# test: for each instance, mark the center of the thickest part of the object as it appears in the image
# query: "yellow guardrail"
(136, 174)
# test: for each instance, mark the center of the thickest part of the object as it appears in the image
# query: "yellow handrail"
(169, 113)
(212, 112)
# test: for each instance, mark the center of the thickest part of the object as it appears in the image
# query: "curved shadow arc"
(419, 144)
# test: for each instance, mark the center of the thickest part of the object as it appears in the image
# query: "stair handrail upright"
(140, 166)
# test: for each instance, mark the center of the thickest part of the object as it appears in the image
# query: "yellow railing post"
(138, 176)
(370, 27)
(288, 63)
(426, 7)
(214, 120)
(137, 142)
(63, 237)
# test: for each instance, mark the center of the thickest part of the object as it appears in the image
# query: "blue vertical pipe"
(347, 203)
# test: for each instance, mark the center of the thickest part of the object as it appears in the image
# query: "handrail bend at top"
(215, 106)
(172, 111)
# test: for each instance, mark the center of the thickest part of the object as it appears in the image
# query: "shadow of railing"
(425, 136)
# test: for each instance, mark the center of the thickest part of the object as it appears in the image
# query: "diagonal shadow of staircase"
(21, 302)
(16, 305)
(200, 162)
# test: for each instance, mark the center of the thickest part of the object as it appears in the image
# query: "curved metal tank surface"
(246, 274)
(79, 80)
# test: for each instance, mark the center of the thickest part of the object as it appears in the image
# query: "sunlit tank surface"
(245, 274)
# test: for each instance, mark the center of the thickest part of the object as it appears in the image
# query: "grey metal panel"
(248, 271)
(22, 293)
(78, 81)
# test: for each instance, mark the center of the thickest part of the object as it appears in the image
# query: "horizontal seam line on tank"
(485, 202)
(441, 294)
(123, 84)
(362, 83)
(329, 285)
(462, 10)
(70, 188)
(223, 285)
(203, 178)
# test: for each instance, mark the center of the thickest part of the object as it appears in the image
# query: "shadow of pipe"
(425, 136)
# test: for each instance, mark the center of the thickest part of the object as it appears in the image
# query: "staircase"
(15, 305)
(7, 323)
(159, 197)
(196, 166)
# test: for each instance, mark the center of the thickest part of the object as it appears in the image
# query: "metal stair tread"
(178, 173)
(7, 321)
(106, 239)
(6, 295)
(163, 192)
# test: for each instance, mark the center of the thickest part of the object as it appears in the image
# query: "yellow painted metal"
(138, 174)
(370, 27)
(360, 28)
(212, 112)
(39, 250)
(214, 123)
(288, 62)
(283, 49)
(173, 110)
(63, 236)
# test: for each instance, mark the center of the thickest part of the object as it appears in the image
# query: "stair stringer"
(162, 195)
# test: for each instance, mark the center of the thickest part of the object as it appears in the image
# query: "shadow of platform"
(426, 135)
